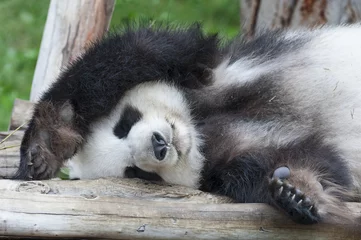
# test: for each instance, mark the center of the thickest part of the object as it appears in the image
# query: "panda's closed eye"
(129, 117)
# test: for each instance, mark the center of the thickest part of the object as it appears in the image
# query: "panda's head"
(151, 128)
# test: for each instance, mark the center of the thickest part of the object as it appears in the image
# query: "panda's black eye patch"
(129, 117)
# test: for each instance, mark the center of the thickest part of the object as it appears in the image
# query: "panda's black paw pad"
(292, 200)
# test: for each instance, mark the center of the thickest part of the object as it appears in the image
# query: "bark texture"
(70, 27)
(273, 14)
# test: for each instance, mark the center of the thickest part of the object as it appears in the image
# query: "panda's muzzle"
(160, 146)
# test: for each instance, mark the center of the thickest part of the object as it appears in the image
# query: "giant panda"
(92, 85)
(271, 120)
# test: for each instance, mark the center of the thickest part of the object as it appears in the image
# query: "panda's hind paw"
(291, 199)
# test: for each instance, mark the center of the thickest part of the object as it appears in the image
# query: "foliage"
(23, 24)
(20, 36)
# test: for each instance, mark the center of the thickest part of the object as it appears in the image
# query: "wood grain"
(165, 212)
(21, 113)
(70, 27)
(9, 153)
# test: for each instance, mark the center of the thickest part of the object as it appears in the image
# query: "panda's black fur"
(262, 118)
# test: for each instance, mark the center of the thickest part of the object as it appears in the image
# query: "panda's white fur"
(164, 110)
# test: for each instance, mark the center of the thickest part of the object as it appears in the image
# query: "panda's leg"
(308, 198)
(243, 178)
(50, 139)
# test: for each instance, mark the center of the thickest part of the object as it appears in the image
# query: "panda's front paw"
(49, 140)
(291, 199)
(37, 161)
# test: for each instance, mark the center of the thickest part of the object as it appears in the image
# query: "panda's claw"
(293, 201)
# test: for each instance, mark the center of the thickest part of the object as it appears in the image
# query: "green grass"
(23, 23)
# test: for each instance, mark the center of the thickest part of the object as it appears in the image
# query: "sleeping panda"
(272, 120)
(92, 85)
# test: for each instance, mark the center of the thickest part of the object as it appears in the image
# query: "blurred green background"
(23, 23)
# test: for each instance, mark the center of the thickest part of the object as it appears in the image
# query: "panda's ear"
(200, 76)
(206, 57)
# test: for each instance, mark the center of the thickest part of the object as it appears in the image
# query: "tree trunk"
(273, 14)
(70, 26)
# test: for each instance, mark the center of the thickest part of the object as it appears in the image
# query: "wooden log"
(9, 153)
(70, 26)
(9, 159)
(9, 148)
(114, 187)
(21, 113)
(15, 136)
(259, 14)
(164, 212)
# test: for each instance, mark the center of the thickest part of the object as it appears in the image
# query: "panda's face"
(154, 123)
(151, 128)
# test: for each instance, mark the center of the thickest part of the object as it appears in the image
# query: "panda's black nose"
(160, 146)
